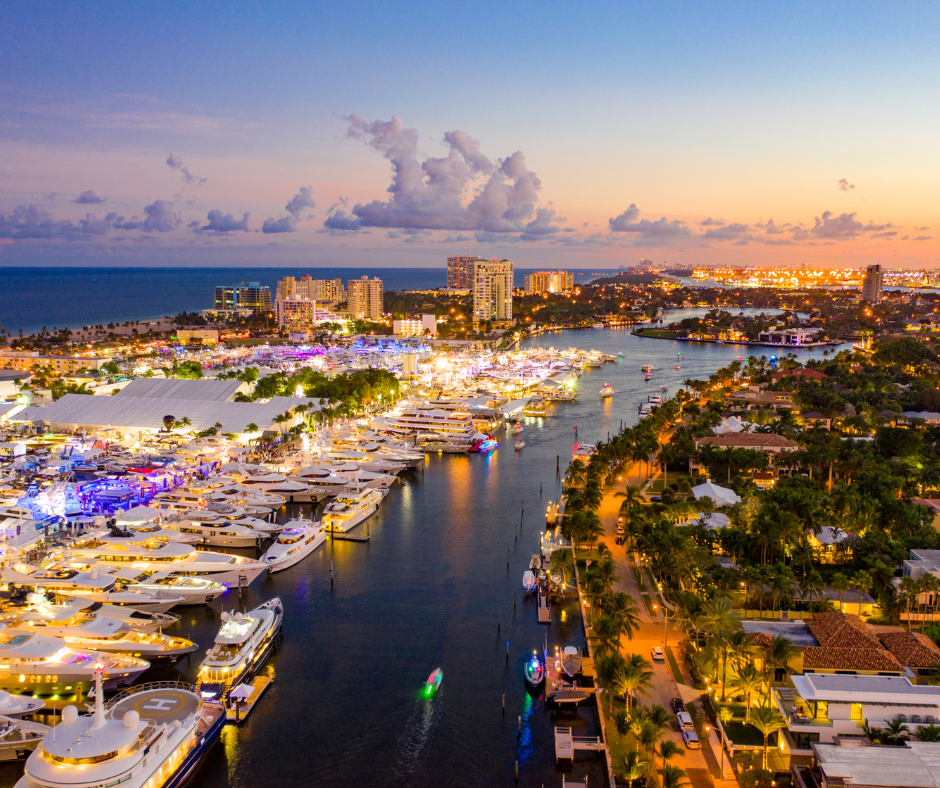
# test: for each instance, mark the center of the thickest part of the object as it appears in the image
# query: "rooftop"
(915, 765)
(912, 649)
(751, 440)
(172, 388)
(891, 690)
(832, 658)
(839, 630)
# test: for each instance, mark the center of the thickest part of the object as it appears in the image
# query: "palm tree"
(621, 720)
(720, 620)
(812, 585)
(668, 749)
(874, 735)
(624, 610)
(635, 676)
(863, 582)
(606, 634)
(749, 682)
(779, 652)
(929, 733)
(674, 777)
(606, 571)
(841, 584)
(767, 720)
(897, 731)
(631, 767)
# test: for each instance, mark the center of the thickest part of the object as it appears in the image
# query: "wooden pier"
(567, 744)
(237, 717)
(345, 537)
(545, 611)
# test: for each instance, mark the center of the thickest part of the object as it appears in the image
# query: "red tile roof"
(913, 649)
(838, 630)
(832, 658)
(748, 440)
(798, 373)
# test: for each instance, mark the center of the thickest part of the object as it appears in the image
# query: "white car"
(691, 740)
(658, 654)
(685, 721)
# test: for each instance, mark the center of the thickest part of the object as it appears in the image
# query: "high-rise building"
(327, 290)
(549, 282)
(250, 295)
(871, 286)
(460, 271)
(492, 290)
(364, 298)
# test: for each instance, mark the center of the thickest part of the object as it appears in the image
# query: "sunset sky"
(393, 134)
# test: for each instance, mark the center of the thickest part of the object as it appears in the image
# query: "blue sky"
(665, 130)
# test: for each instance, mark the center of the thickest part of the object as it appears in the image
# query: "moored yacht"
(221, 533)
(42, 664)
(241, 647)
(350, 509)
(189, 590)
(152, 736)
(295, 542)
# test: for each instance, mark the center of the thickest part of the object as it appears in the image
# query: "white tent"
(722, 496)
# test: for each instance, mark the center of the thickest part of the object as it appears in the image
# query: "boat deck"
(233, 717)
(163, 704)
(566, 744)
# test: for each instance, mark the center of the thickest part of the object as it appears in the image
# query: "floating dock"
(345, 537)
(233, 717)
(567, 744)
(545, 612)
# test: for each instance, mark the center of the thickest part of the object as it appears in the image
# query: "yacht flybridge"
(241, 647)
(350, 509)
(42, 664)
(152, 736)
(296, 541)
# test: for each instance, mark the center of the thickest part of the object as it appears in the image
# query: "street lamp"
(665, 624)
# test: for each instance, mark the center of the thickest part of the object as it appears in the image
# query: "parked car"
(658, 654)
(685, 721)
(621, 529)
(656, 499)
(619, 539)
(691, 740)
(620, 521)
(677, 705)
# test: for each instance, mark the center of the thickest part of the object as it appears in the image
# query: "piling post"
(507, 558)
(513, 601)
(331, 574)
(498, 622)
(518, 733)
(557, 461)
(507, 651)
(504, 704)
(517, 767)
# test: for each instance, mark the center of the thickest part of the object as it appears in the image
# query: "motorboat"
(295, 542)
(519, 444)
(277, 484)
(529, 581)
(350, 509)
(340, 474)
(241, 647)
(95, 585)
(137, 620)
(97, 633)
(46, 665)
(262, 527)
(19, 705)
(607, 391)
(516, 428)
(19, 738)
(647, 367)
(570, 661)
(151, 736)
(534, 670)
(433, 684)
(156, 554)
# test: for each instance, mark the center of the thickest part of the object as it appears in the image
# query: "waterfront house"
(816, 419)
(919, 655)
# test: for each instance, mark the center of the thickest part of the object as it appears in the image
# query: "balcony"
(798, 712)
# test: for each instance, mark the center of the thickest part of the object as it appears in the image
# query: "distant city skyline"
(696, 134)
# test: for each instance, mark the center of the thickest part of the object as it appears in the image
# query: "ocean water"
(31, 298)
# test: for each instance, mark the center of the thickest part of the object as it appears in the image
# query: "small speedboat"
(519, 444)
(649, 376)
(433, 683)
(607, 391)
(534, 670)
(571, 661)
(529, 581)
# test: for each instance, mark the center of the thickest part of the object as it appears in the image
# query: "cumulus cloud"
(88, 198)
(709, 222)
(727, 232)
(158, 216)
(34, 221)
(845, 186)
(647, 233)
(295, 209)
(843, 226)
(176, 163)
(462, 191)
(225, 223)
(771, 228)
(924, 238)
(92, 225)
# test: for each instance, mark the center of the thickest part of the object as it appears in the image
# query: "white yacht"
(19, 705)
(416, 420)
(607, 391)
(157, 554)
(19, 738)
(278, 484)
(295, 542)
(241, 647)
(98, 633)
(222, 533)
(189, 590)
(137, 620)
(350, 509)
(46, 665)
(96, 586)
(152, 736)
(262, 527)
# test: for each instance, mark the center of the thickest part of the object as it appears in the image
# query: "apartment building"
(415, 327)
(492, 290)
(548, 282)
(364, 298)
(872, 284)
(460, 271)
(30, 359)
(329, 291)
(243, 295)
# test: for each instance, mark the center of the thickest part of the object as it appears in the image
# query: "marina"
(431, 584)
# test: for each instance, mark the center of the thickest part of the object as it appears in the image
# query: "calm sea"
(31, 298)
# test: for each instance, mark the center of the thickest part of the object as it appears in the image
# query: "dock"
(345, 537)
(237, 717)
(567, 744)
(545, 611)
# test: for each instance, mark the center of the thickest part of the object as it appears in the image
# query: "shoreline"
(749, 343)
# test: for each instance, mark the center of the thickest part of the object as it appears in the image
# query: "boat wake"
(412, 742)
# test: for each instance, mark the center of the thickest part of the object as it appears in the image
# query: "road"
(701, 765)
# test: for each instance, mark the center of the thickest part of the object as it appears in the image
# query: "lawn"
(656, 333)
(743, 735)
